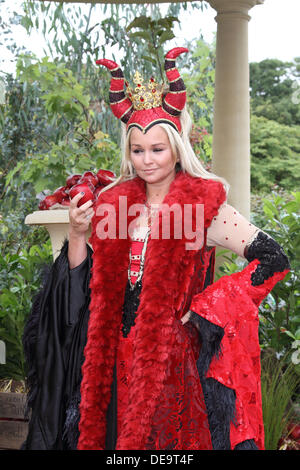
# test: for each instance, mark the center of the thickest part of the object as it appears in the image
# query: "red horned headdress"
(147, 104)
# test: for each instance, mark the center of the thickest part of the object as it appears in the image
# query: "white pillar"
(231, 130)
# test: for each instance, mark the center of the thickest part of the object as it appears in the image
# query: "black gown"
(54, 340)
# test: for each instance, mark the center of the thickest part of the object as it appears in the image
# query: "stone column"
(231, 131)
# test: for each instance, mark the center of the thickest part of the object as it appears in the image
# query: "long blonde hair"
(181, 147)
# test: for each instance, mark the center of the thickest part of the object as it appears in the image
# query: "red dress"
(125, 349)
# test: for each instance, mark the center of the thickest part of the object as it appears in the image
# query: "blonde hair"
(181, 147)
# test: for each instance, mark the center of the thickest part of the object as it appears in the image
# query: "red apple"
(42, 205)
(61, 193)
(72, 179)
(65, 201)
(90, 176)
(104, 176)
(86, 180)
(48, 202)
(82, 187)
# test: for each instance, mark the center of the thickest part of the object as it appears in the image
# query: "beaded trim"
(151, 212)
(142, 257)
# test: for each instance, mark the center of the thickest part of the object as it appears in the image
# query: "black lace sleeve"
(270, 254)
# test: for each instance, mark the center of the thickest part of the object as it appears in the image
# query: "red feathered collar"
(167, 273)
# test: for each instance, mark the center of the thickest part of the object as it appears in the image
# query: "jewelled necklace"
(142, 260)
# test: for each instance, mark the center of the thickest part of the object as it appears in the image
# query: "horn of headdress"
(174, 101)
(120, 105)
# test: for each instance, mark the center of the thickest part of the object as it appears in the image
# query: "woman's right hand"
(80, 217)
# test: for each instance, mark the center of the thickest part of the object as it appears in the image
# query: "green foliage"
(78, 34)
(274, 155)
(61, 91)
(72, 143)
(20, 272)
(199, 80)
(21, 124)
(279, 384)
(280, 312)
(272, 90)
(275, 124)
(155, 33)
(49, 128)
(67, 30)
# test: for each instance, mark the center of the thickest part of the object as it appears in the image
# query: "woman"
(171, 360)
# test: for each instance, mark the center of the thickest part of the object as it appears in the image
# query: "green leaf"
(297, 196)
(15, 289)
(292, 206)
(140, 22)
(11, 174)
(297, 334)
(150, 59)
(288, 333)
(167, 22)
(270, 207)
(141, 34)
(268, 212)
(166, 36)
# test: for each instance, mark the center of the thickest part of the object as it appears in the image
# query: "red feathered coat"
(166, 406)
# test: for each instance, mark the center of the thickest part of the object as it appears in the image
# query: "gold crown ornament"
(144, 95)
